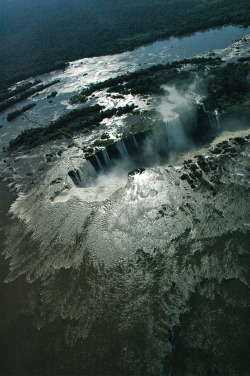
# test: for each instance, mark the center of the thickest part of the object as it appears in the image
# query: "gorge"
(125, 246)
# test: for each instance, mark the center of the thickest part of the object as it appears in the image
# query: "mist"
(164, 142)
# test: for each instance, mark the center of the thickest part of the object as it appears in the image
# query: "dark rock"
(240, 140)
(193, 167)
(105, 136)
(58, 180)
(231, 149)
(198, 174)
(90, 150)
(184, 176)
(136, 171)
(216, 150)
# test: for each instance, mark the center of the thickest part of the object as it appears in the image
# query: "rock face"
(160, 141)
(128, 147)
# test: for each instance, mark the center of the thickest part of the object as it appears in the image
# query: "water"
(81, 73)
(121, 273)
(121, 147)
(98, 161)
(176, 135)
(106, 158)
(145, 276)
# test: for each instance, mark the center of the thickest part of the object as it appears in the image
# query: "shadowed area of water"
(112, 285)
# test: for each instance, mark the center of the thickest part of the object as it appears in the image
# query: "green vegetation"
(151, 119)
(52, 95)
(6, 94)
(40, 36)
(228, 87)
(25, 94)
(147, 81)
(13, 115)
(104, 143)
(76, 121)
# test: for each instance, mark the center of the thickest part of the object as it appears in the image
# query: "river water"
(83, 72)
(148, 279)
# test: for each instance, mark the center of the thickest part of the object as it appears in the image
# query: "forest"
(226, 89)
(78, 120)
(41, 36)
(24, 93)
(13, 115)
(146, 81)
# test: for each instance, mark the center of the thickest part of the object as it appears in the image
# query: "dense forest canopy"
(37, 36)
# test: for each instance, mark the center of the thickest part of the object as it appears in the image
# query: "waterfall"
(87, 171)
(75, 176)
(121, 147)
(176, 135)
(213, 117)
(217, 117)
(90, 168)
(98, 162)
(135, 142)
(106, 157)
(83, 176)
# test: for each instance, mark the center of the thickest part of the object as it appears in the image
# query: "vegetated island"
(102, 29)
(79, 120)
(25, 94)
(147, 81)
(229, 82)
(13, 115)
(6, 93)
(225, 86)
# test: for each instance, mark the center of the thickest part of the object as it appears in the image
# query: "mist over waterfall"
(154, 147)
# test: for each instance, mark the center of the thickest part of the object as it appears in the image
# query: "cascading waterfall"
(84, 175)
(177, 138)
(213, 117)
(75, 176)
(217, 117)
(106, 157)
(87, 173)
(135, 142)
(121, 147)
(98, 162)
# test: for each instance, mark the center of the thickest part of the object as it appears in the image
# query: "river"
(83, 72)
(143, 277)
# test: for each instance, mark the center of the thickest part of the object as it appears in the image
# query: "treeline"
(144, 81)
(13, 115)
(38, 37)
(6, 94)
(75, 121)
(228, 86)
(25, 94)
